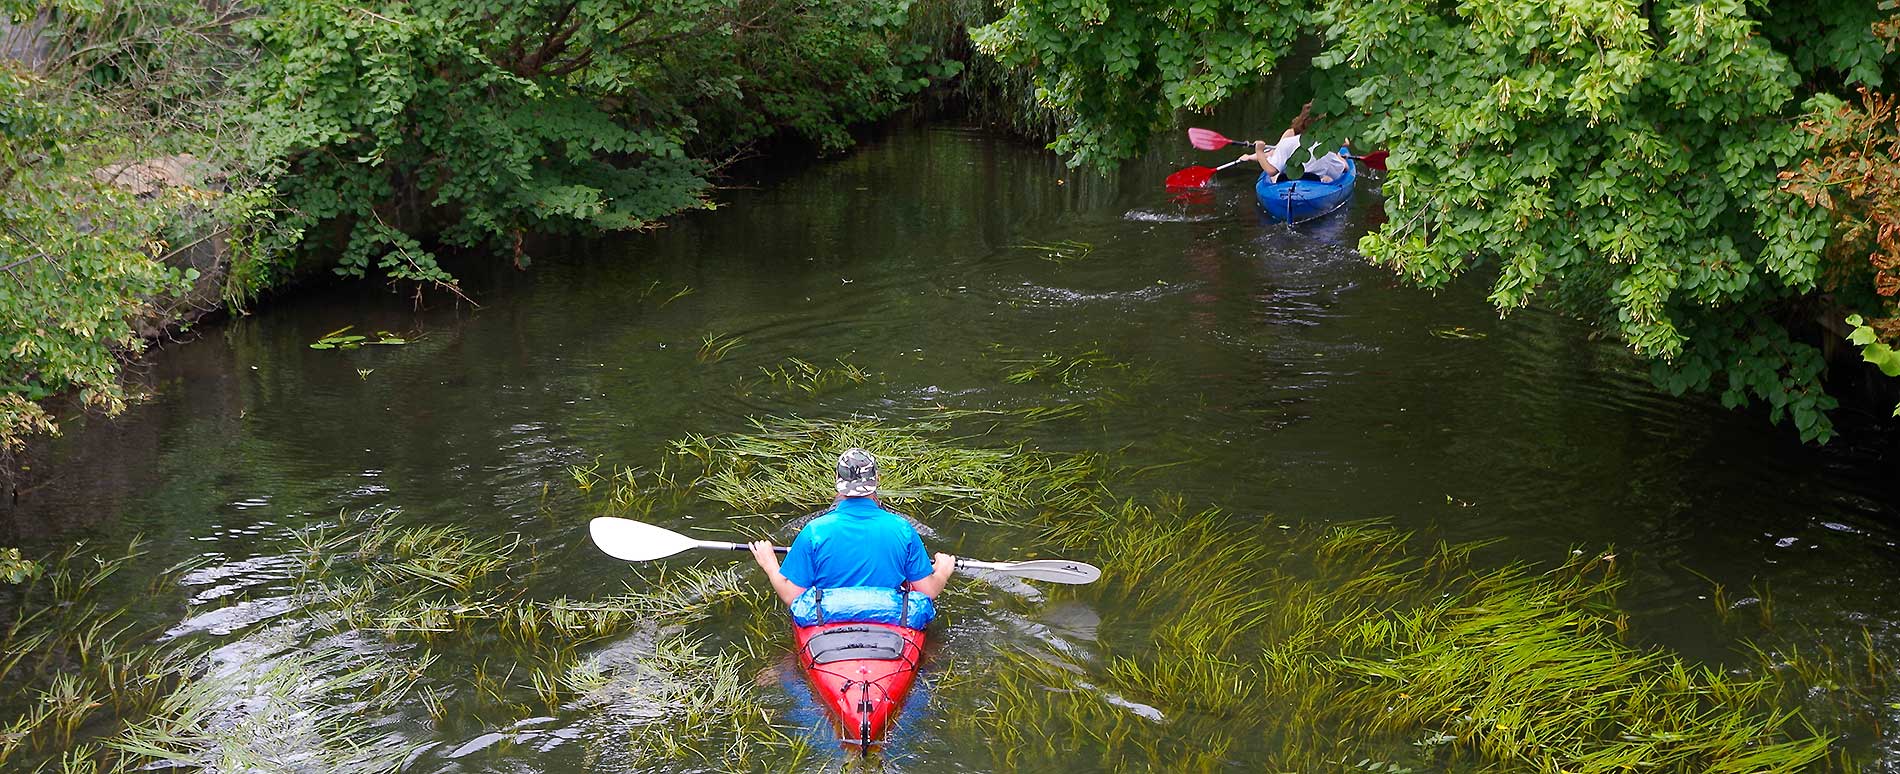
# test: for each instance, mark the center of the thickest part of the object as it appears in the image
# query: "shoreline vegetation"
(172, 158)
(1370, 645)
(1714, 183)
(167, 159)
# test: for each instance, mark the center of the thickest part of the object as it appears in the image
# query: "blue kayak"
(1298, 201)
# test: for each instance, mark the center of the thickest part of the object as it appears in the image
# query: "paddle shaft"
(721, 545)
(634, 541)
(1230, 141)
(965, 564)
(1237, 161)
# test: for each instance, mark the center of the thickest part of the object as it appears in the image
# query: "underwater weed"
(789, 462)
(714, 347)
(585, 476)
(684, 291)
(1364, 646)
(1068, 370)
(634, 492)
(799, 375)
(1090, 377)
(380, 594)
(1063, 251)
(312, 710)
(72, 659)
(1016, 418)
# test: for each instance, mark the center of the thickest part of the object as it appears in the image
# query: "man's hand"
(941, 568)
(763, 554)
(768, 561)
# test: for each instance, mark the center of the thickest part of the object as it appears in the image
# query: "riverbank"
(300, 151)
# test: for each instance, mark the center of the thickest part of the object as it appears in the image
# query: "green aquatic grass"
(432, 581)
(309, 711)
(1065, 369)
(789, 464)
(1017, 418)
(714, 347)
(1226, 644)
(1090, 377)
(89, 687)
(1350, 644)
(802, 376)
(1060, 252)
(692, 704)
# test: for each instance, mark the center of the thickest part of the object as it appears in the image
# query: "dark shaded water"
(1262, 369)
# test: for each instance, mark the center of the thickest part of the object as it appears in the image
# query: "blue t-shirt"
(856, 544)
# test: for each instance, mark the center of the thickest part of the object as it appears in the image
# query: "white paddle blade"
(1056, 571)
(636, 542)
(1050, 570)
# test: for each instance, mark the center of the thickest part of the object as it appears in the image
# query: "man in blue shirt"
(857, 543)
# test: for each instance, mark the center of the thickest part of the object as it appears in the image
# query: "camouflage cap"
(857, 473)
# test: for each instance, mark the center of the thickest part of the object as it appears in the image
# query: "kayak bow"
(861, 672)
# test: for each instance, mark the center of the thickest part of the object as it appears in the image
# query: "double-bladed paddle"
(1208, 139)
(636, 541)
(1195, 177)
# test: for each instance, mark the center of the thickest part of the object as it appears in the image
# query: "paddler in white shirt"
(1273, 160)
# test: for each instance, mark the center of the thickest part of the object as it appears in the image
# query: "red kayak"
(862, 672)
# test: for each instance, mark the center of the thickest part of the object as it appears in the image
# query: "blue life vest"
(863, 604)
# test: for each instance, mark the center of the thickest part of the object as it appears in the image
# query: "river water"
(1246, 365)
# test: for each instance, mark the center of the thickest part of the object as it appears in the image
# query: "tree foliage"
(1615, 159)
(359, 136)
(1117, 69)
(77, 262)
(476, 121)
(1855, 175)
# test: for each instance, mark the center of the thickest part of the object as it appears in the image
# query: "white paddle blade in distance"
(1050, 570)
(637, 542)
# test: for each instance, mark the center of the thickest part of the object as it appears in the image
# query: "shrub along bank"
(1699, 178)
(358, 138)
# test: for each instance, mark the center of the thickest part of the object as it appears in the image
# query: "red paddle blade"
(1192, 177)
(1375, 159)
(1207, 139)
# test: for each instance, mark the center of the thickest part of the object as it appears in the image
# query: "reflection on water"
(1248, 365)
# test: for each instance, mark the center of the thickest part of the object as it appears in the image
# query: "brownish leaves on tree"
(1856, 176)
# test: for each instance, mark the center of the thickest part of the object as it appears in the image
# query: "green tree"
(359, 136)
(1116, 70)
(1615, 159)
(1612, 158)
(77, 262)
(475, 122)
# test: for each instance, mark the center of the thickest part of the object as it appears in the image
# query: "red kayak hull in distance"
(861, 695)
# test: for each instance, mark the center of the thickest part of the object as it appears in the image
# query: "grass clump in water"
(629, 658)
(90, 684)
(798, 375)
(790, 463)
(715, 346)
(435, 581)
(1060, 252)
(1319, 647)
(310, 711)
(1091, 377)
(1067, 370)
